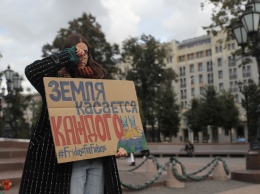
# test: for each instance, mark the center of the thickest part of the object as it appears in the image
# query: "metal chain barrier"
(136, 167)
(183, 177)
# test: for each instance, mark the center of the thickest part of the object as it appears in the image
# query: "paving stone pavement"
(207, 186)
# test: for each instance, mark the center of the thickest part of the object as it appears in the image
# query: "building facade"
(202, 61)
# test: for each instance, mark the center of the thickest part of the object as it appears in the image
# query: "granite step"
(14, 176)
(10, 164)
(12, 157)
(16, 143)
(10, 152)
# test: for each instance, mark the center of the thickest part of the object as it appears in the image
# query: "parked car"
(240, 139)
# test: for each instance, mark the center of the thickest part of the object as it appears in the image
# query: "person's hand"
(121, 153)
(83, 56)
(80, 52)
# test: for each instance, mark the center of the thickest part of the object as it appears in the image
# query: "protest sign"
(93, 118)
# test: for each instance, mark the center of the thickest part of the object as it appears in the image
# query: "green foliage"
(143, 55)
(253, 102)
(193, 116)
(146, 56)
(210, 107)
(167, 110)
(14, 115)
(214, 109)
(224, 13)
(86, 25)
(35, 107)
(230, 116)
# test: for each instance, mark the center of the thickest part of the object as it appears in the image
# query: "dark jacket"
(42, 174)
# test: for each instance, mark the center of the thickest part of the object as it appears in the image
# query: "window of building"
(182, 71)
(221, 86)
(230, 74)
(191, 68)
(208, 52)
(200, 78)
(169, 59)
(182, 58)
(219, 61)
(190, 56)
(244, 71)
(216, 49)
(220, 48)
(233, 73)
(183, 82)
(220, 74)
(229, 47)
(192, 91)
(200, 54)
(210, 78)
(231, 61)
(200, 67)
(233, 87)
(183, 94)
(209, 66)
(247, 71)
(192, 80)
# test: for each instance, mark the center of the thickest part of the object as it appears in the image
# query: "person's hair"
(73, 40)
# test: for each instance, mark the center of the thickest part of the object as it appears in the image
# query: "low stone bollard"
(171, 180)
(219, 172)
(151, 169)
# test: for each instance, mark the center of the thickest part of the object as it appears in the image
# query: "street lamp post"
(1, 97)
(245, 89)
(247, 34)
(13, 83)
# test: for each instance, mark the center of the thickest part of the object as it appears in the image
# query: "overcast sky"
(26, 25)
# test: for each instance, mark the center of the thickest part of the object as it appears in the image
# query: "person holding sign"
(42, 173)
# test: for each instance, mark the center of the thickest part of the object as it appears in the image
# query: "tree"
(102, 51)
(193, 116)
(35, 106)
(212, 110)
(146, 56)
(229, 108)
(224, 14)
(251, 107)
(167, 110)
(14, 116)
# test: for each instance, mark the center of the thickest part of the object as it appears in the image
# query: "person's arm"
(49, 66)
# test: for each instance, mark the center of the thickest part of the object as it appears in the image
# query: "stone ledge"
(249, 176)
